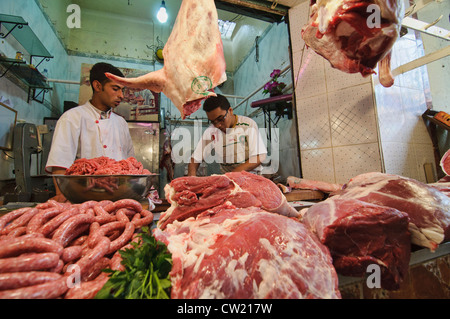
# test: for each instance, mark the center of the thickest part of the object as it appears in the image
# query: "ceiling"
(129, 29)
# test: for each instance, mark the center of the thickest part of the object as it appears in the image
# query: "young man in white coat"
(91, 130)
(234, 140)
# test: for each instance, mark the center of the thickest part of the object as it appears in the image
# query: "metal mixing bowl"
(82, 188)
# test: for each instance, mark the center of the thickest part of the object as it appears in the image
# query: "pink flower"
(273, 86)
(275, 73)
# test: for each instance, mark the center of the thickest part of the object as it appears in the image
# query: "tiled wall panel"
(349, 124)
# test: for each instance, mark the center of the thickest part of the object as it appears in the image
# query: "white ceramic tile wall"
(350, 125)
(337, 124)
(405, 142)
(313, 122)
(352, 160)
(352, 116)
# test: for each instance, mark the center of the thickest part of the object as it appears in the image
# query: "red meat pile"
(107, 166)
(58, 250)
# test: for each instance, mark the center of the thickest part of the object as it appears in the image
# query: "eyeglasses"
(219, 119)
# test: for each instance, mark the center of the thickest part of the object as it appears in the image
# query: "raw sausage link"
(21, 220)
(65, 232)
(146, 220)
(40, 218)
(18, 231)
(71, 253)
(121, 216)
(94, 227)
(20, 245)
(123, 239)
(58, 268)
(50, 203)
(49, 290)
(29, 262)
(54, 223)
(14, 280)
(96, 269)
(103, 231)
(11, 216)
(100, 211)
(6, 239)
(104, 203)
(124, 203)
(82, 229)
(93, 256)
(116, 260)
(90, 212)
(88, 204)
(88, 289)
(78, 241)
(105, 219)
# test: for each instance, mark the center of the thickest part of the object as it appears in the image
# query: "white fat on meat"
(427, 207)
(285, 260)
(170, 193)
(242, 189)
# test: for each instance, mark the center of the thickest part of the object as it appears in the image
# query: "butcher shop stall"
(346, 102)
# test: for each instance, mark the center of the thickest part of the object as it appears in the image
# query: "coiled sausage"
(29, 262)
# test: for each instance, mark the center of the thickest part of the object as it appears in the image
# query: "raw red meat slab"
(428, 208)
(241, 253)
(189, 196)
(359, 234)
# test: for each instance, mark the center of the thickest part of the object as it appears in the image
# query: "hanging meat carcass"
(355, 35)
(194, 63)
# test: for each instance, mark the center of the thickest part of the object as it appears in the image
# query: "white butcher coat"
(233, 148)
(81, 133)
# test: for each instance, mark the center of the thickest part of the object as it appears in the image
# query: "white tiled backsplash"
(348, 124)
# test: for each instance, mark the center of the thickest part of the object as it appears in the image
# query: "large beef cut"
(354, 35)
(428, 208)
(194, 63)
(443, 185)
(359, 234)
(242, 253)
(190, 196)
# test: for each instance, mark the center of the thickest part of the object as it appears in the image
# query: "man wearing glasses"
(231, 140)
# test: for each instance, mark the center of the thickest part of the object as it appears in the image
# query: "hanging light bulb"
(162, 13)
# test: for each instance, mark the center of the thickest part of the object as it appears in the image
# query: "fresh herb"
(146, 274)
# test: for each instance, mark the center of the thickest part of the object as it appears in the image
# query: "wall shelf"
(25, 76)
(280, 104)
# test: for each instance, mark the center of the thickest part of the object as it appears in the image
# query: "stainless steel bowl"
(82, 188)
